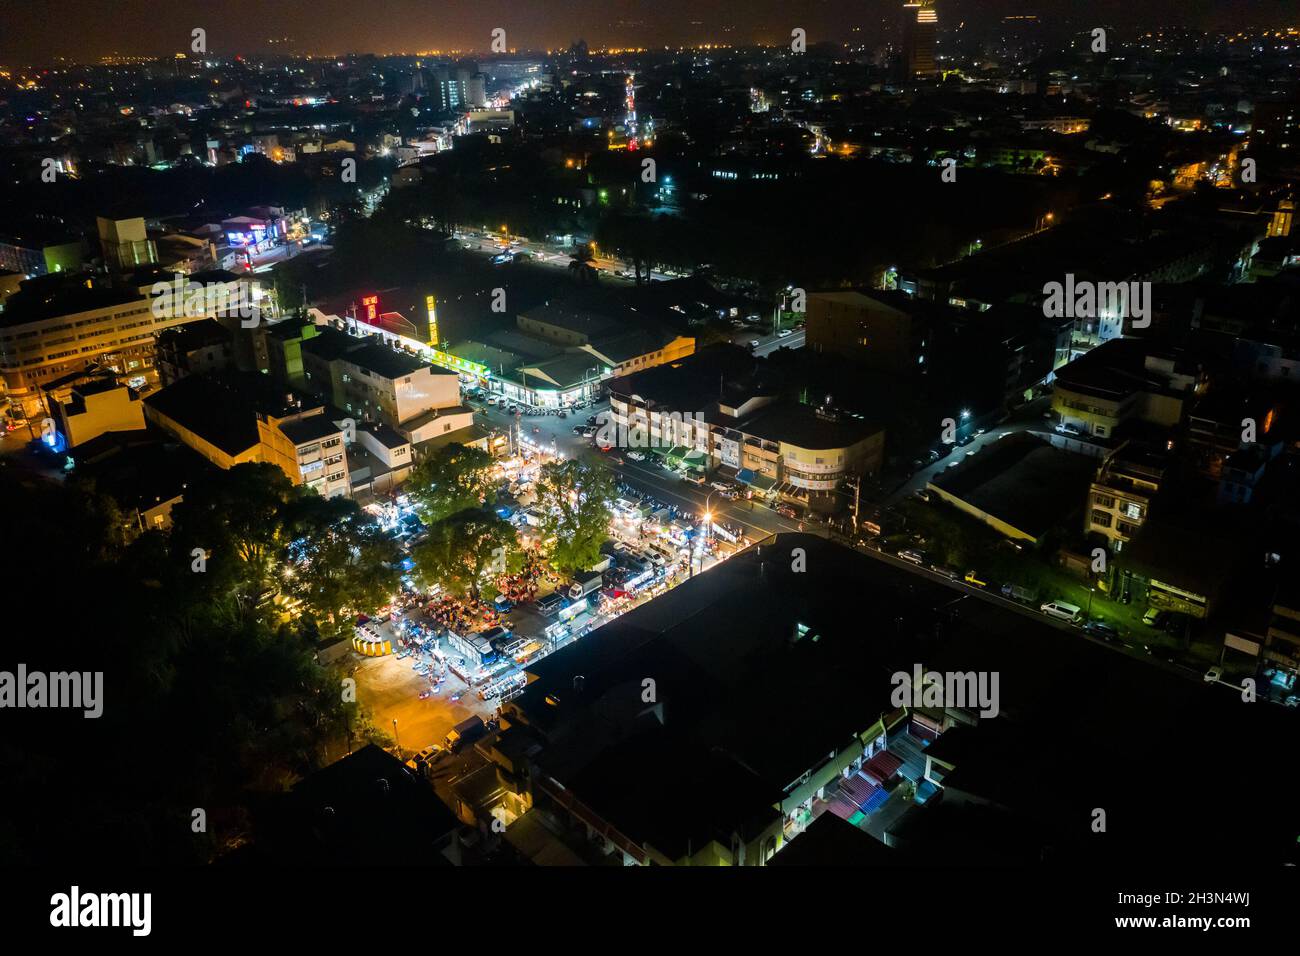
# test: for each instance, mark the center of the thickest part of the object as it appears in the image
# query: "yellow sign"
(430, 304)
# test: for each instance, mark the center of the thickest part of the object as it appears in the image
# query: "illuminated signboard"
(431, 305)
(459, 364)
(370, 307)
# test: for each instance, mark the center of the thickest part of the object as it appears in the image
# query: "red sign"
(370, 307)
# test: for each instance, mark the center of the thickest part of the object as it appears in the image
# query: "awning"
(762, 482)
(746, 475)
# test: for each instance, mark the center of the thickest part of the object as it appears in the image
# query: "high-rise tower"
(920, 32)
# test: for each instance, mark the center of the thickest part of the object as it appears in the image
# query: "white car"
(783, 333)
(636, 455)
(1213, 675)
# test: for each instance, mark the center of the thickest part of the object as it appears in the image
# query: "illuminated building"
(920, 32)
(1280, 224)
(48, 332)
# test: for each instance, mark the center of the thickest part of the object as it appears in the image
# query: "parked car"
(425, 757)
(783, 333)
(1214, 675)
(922, 495)
(636, 455)
(550, 604)
(1062, 611)
(785, 511)
(915, 557)
(1100, 629)
(1154, 617)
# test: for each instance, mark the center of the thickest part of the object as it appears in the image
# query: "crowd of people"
(461, 615)
(522, 587)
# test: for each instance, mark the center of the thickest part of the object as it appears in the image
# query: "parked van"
(1062, 611)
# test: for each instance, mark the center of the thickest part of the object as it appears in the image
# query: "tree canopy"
(574, 500)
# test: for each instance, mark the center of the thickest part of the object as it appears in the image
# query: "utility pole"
(857, 498)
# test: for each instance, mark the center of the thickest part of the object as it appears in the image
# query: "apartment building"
(886, 331)
(54, 326)
(374, 382)
(96, 407)
(235, 418)
(710, 414)
(1120, 497)
(310, 449)
(1125, 381)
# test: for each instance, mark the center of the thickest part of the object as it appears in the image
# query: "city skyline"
(338, 27)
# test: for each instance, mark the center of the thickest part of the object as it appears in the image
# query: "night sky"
(37, 30)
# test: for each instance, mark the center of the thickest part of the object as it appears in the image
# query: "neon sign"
(370, 307)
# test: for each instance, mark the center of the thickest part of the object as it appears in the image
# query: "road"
(555, 256)
(768, 344)
(757, 520)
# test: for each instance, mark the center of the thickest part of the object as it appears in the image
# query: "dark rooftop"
(1021, 480)
(309, 428)
(803, 426)
(36, 301)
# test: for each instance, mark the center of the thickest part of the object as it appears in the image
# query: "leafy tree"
(465, 551)
(235, 705)
(574, 499)
(453, 479)
(339, 561)
(236, 518)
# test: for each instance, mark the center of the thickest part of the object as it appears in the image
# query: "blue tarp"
(745, 475)
(876, 801)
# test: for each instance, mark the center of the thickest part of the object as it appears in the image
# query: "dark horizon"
(394, 27)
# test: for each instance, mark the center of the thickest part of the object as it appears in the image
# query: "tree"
(339, 561)
(574, 500)
(455, 478)
(236, 705)
(236, 518)
(465, 551)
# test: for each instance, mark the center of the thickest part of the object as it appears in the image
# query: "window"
(1101, 519)
(1106, 501)
(1131, 509)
